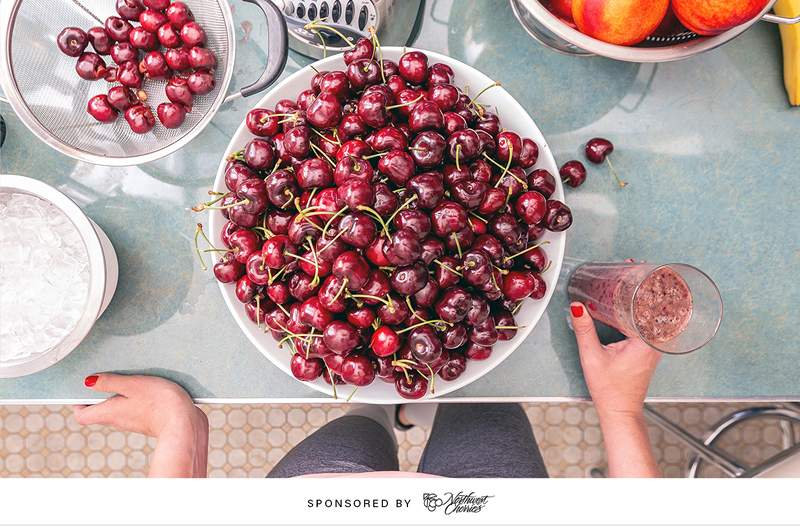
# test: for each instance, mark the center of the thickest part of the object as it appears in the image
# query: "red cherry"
(170, 114)
(193, 34)
(122, 98)
(178, 91)
(101, 109)
(140, 118)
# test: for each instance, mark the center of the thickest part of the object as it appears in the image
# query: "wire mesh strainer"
(44, 90)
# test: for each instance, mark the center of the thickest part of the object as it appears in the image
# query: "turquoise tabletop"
(709, 146)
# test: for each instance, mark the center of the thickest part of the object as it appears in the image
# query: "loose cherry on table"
(573, 173)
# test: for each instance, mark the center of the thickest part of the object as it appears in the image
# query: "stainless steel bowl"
(103, 274)
(549, 30)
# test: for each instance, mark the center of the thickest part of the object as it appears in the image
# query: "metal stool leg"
(785, 414)
(704, 451)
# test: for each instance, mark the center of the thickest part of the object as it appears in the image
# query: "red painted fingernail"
(577, 310)
(89, 381)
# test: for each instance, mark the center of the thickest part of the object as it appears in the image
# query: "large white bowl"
(513, 117)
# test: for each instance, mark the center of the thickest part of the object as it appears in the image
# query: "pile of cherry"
(383, 224)
(184, 62)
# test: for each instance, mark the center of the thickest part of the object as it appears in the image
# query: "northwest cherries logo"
(455, 502)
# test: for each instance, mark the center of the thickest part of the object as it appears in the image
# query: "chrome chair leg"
(703, 450)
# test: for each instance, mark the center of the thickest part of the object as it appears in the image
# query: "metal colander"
(50, 98)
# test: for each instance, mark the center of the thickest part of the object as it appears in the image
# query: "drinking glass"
(674, 308)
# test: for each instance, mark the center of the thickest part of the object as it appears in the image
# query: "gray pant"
(466, 441)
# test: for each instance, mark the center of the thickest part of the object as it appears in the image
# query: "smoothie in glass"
(653, 302)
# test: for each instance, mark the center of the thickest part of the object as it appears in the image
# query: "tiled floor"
(246, 440)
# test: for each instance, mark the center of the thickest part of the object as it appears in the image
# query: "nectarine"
(712, 17)
(623, 22)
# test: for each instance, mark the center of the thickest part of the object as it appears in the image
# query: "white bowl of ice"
(58, 273)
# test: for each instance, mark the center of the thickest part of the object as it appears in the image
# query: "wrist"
(620, 414)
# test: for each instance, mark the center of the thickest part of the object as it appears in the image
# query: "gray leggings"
(467, 441)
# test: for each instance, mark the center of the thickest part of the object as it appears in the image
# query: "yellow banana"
(790, 36)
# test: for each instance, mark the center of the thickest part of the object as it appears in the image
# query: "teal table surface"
(710, 148)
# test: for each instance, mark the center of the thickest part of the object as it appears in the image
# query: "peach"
(622, 22)
(712, 17)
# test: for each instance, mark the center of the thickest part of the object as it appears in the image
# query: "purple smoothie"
(638, 300)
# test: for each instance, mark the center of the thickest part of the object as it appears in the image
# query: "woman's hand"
(618, 376)
(154, 407)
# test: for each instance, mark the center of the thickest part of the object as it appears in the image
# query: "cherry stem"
(275, 168)
(509, 327)
(301, 258)
(319, 150)
(373, 156)
(289, 198)
(458, 244)
(506, 167)
(212, 192)
(315, 279)
(399, 208)
(322, 136)
(516, 309)
(481, 92)
(377, 45)
(351, 394)
(237, 156)
(432, 379)
(277, 275)
(532, 247)
(494, 280)
(413, 311)
(473, 214)
(403, 363)
(203, 206)
(316, 25)
(341, 289)
(324, 42)
(281, 307)
(409, 103)
(299, 336)
(331, 241)
(458, 154)
(448, 267)
(330, 220)
(332, 377)
(377, 216)
(620, 182)
(420, 324)
(370, 297)
(197, 233)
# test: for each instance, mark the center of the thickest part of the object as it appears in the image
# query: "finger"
(105, 412)
(583, 324)
(126, 385)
